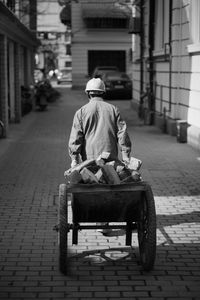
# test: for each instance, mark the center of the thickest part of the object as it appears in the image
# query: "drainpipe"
(170, 56)
(165, 111)
(141, 56)
(151, 61)
(179, 63)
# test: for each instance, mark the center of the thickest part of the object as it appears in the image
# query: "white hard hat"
(95, 84)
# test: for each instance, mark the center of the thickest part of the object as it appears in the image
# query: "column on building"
(11, 81)
(18, 112)
(3, 84)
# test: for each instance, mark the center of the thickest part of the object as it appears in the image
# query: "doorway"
(106, 58)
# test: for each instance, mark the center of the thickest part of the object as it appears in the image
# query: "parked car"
(100, 70)
(64, 75)
(118, 85)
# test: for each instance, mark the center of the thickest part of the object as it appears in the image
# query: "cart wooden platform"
(131, 204)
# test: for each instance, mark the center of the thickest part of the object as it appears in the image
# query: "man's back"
(99, 124)
(98, 127)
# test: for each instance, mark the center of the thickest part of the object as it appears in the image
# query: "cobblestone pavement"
(32, 162)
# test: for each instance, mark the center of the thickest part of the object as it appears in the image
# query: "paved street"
(32, 162)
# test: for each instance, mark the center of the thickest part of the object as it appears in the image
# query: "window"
(106, 23)
(161, 24)
(68, 49)
(105, 14)
(195, 26)
(68, 64)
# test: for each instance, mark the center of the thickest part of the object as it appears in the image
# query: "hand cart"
(130, 203)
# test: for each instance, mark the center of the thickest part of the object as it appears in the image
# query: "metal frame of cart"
(130, 203)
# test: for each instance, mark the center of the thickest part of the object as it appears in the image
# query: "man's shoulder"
(93, 105)
(82, 108)
(110, 106)
(105, 103)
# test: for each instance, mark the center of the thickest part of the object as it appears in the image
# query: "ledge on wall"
(193, 140)
(135, 105)
(178, 128)
(160, 122)
(166, 125)
(171, 127)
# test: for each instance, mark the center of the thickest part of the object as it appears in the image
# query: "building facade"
(55, 50)
(166, 65)
(17, 52)
(99, 38)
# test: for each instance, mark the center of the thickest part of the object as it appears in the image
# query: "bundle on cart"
(103, 170)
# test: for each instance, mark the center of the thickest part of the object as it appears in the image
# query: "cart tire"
(147, 230)
(63, 228)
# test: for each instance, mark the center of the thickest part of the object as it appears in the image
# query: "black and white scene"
(100, 149)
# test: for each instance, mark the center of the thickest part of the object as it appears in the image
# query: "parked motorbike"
(26, 99)
(42, 94)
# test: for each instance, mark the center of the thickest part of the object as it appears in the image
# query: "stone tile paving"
(31, 169)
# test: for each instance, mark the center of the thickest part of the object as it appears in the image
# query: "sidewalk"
(32, 163)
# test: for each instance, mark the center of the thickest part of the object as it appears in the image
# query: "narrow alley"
(32, 162)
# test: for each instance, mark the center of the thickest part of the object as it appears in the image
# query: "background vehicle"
(26, 99)
(100, 70)
(38, 75)
(64, 75)
(118, 85)
(45, 93)
(42, 93)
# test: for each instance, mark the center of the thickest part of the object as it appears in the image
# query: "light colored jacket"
(98, 127)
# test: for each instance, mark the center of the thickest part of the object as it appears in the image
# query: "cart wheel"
(147, 230)
(63, 228)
